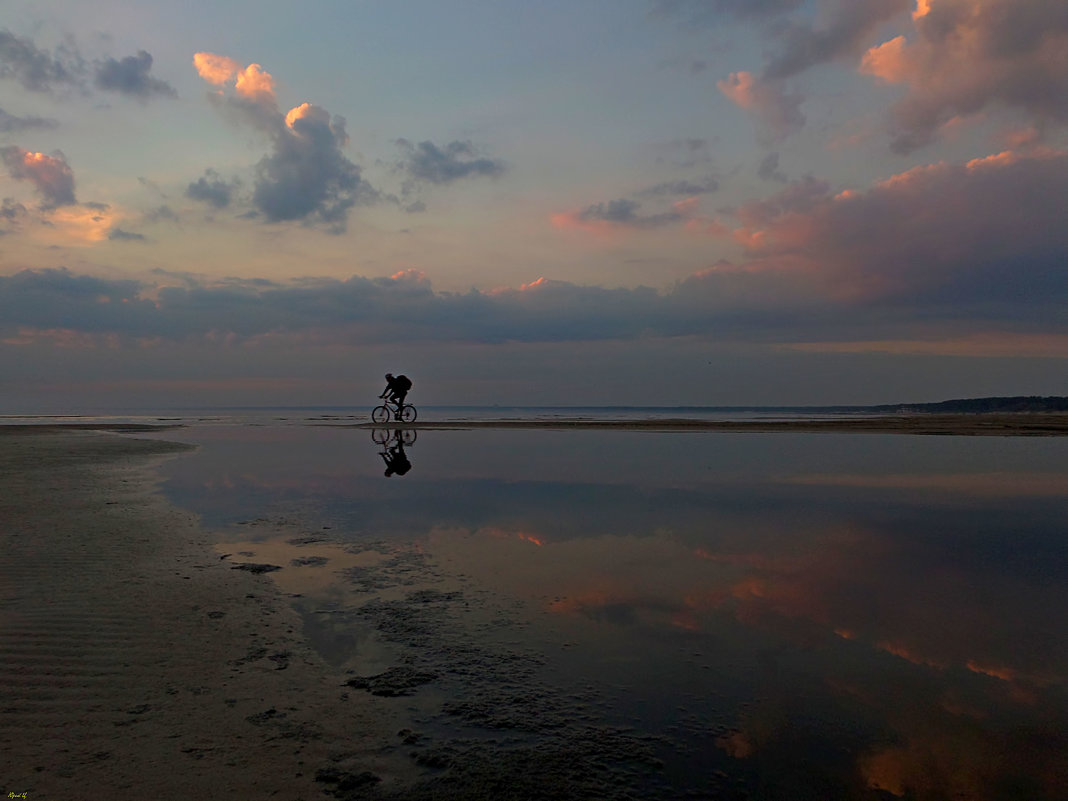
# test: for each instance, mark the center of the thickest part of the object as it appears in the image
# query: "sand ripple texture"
(133, 663)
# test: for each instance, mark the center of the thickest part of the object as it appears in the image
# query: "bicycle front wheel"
(381, 414)
(408, 414)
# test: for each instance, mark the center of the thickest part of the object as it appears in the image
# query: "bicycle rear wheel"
(408, 414)
(381, 414)
(381, 435)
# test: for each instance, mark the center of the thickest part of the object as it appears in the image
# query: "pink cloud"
(251, 84)
(51, 176)
(777, 112)
(967, 55)
(984, 228)
(255, 84)
(215, 69)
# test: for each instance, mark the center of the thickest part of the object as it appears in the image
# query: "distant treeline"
(1020, 403)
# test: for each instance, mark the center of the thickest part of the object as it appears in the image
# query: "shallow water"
(669, 615)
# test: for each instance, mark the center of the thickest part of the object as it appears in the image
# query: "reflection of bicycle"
(383, 435)
(402, 413)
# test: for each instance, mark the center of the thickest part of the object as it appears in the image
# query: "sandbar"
(1028, 424)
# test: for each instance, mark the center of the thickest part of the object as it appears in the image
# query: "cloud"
(9, 123)
(215, 69)
(51, 176)
(212, 188)
(942, 235)
(704, 186)
(969, 55)
(769, 169)
(11, 214)
(933, 254)
(306, 176)
(842, 30)
(427, 163)
(36, 70)
(623, 213)
(846, 29)
(130, 76)
(776, 111)
(119, 235)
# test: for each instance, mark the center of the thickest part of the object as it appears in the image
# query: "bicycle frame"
(392, 411)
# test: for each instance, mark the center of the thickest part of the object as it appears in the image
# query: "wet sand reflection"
(794, 626)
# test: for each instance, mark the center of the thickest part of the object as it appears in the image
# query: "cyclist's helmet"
(389, 375)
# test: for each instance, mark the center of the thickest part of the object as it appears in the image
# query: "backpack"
(402, 383)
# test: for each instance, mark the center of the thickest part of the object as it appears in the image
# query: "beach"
(1044, 424)
(134, 662)
(521, 645)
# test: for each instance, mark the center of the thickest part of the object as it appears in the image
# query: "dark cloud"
(59, 299)
(942, 235)
(130, 76)
(212, 188)
(11, 212)
(9, 123)
(37, 70)
(427, 163)
(846, 30)
(769, 168)
(163, 212)
(119, 235)
(51, 176)
(797, 198)
(683, 187)
(625, 212)
(307, 176)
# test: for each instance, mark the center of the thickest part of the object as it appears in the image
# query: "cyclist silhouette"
(396, 388)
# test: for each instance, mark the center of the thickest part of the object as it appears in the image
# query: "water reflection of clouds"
(863, 585)
(998, 485)
(893, 609)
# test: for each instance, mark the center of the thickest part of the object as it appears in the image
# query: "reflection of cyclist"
(396, 461)
(396, 388)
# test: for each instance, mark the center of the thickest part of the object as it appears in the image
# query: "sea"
(348, 415)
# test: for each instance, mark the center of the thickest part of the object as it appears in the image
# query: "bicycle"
(402, 413)
(381, 436)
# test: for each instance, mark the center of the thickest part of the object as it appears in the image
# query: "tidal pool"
(670, 615)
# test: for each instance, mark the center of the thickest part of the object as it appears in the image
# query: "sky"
(638, 202)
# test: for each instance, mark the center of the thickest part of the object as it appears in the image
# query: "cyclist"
(396, 389)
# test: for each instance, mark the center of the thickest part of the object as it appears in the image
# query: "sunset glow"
(877, 183)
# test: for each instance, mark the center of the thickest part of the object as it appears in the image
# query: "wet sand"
(1038, 424)
(135, 663)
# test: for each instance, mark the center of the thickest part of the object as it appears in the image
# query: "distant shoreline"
(1024, 424)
